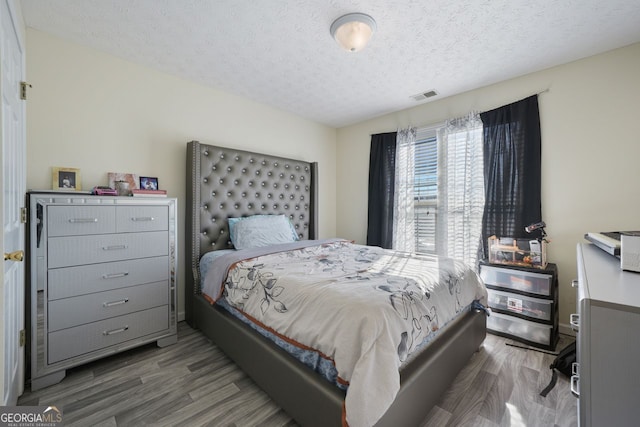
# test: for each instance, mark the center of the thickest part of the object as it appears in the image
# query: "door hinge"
(23, 337)
(23, 90)
(23, 215)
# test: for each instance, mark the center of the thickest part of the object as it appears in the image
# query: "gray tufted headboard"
(225, 182)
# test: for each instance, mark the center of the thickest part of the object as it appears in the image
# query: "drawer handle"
(115, 331)
(575, 385)
(114, 247)
(82, 220)
(574, 321)
(574, 284)
(115, 275)
(112, 303)
(143, 218)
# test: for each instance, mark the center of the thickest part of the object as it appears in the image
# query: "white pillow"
(261, 230)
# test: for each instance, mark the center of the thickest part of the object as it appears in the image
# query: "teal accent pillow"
(261, 230)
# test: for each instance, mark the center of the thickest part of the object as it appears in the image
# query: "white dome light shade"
(353, 31)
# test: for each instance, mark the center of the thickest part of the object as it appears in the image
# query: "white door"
(13, 183)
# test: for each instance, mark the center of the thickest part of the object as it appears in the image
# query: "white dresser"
(102, 278)
(606, 377)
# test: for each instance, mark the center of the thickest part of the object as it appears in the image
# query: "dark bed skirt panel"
(313, 401)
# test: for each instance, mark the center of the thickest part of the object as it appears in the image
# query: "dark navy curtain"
(512, 157)
(382, 172)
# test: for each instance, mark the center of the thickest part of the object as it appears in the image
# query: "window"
(447, 189)
(426, 190)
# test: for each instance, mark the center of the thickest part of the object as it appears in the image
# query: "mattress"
(361, 315)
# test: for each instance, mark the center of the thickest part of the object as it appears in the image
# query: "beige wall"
(590, 151)
(95, 112)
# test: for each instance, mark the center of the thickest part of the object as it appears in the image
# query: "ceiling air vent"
(424, 95)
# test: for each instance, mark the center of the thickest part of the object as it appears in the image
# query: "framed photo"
(148, 183)
(66, 179)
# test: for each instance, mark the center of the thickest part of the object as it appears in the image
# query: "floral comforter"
(364, 308)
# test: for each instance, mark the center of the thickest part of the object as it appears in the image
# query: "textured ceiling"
(280, 52)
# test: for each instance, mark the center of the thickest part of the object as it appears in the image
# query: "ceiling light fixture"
(353, 31)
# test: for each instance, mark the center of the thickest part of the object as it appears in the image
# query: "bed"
(224, 183)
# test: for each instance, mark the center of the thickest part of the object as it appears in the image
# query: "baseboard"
(565, 329)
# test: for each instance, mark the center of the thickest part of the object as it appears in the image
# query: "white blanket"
(363, 307)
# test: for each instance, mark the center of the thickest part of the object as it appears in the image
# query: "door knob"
(14, 256)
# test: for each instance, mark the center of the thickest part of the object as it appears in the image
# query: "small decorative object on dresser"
(65, 179)
(524, 303)
(148, 183)
(128, 182)
(102, 278)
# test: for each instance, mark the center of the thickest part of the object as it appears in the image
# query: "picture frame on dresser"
(65, 179)
(149, 183)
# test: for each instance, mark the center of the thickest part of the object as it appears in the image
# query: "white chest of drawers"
(606, 378)
(102, 278)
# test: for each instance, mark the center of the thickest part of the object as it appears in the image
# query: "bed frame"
(224, 182)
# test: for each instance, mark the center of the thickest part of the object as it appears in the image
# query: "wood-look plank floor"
(192, 383)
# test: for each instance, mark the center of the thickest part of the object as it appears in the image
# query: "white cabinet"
(102, 278)
(607, 374)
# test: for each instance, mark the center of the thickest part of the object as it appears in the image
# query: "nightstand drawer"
(77, 220)
(520, 329)
(69, 312)
(518, 280)
(86, 279)
(533, 308)
(84, 339)
(81, 250)
(142, 218)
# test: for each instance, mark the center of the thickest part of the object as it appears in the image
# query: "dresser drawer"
(141, 218)
(77, 220)
(86, 279)
(533, 308)
(81, 250)
(518, 280)
(520, 329)
(69, 312)
(83, 339)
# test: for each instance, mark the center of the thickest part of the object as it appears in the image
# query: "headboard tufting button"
(222, 156)
(286, 166)
(281, 196)
(297, 168)
(229, 169)
(237, 158)
(205, 180)
(281, 175)
(221, 181)
(250, 183)
(269, 173)
(206, 207)
(206, 153)
(229, 193)
(221, 206)
(251, 160)
(213, 193)
(250, 205)
(292, 177)
(264, 163)
(244, 170)
(269, 196)
(291, 197)
(214, 167)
